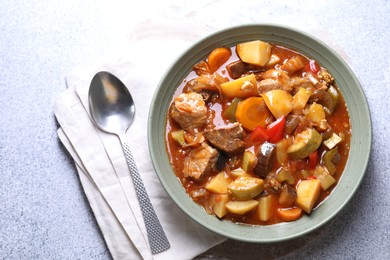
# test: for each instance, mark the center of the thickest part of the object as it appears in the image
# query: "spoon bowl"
(113, 110)
(111, 104)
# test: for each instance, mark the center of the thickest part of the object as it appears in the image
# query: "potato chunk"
(218, 183)
(242, 87)
(308, 192)
(323, 175)
(254, 52)
(300, 99)
(263, 211)
(316, 114)
(219, 202)
(279, 102)
(241, 207)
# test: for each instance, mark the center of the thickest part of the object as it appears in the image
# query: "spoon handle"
(156, 236)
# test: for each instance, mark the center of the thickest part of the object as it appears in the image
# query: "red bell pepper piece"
(275, 130)
(257, 136)
(313, 159)
(312, 66)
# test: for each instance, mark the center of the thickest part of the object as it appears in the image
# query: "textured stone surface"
(43, 211)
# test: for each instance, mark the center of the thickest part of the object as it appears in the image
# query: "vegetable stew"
(258, 133)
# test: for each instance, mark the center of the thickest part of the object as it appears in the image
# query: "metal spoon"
(113, 110)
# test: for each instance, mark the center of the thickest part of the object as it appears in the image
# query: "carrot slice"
(252, 112)
(218, 57)
(289, 214)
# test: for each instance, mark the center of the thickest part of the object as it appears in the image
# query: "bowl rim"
(362, 144)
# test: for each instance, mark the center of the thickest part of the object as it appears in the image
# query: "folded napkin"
(99, 157)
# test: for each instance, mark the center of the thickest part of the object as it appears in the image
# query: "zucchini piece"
(323, 175)
(332, 141)
(230, 112)
(248, 161)
(327, 158)
(241, 207)
(308, 192)
(284, 175)
(239, 172)
(245, 188)
(305, 143)
(303, 174)
(335, 96)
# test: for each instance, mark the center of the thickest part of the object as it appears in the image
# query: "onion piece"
(199, 138)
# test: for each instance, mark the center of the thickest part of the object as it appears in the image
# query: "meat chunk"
(326, 76)
(201, 68)
(200, 161)
(276, 74)
(304, 82)
(236, 69)
(272, 183)
(227, 139)
(274, 79)
(268, 84)
(189, 111)
(209, 82)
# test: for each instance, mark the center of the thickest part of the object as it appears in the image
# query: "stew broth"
(337, 122)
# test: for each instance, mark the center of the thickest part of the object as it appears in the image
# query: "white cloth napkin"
(99, 157)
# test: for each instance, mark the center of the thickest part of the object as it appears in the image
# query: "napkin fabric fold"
(101, 164)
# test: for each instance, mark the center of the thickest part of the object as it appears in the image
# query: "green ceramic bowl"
(356, 103)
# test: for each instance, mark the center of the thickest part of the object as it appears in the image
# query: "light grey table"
(43, 211)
